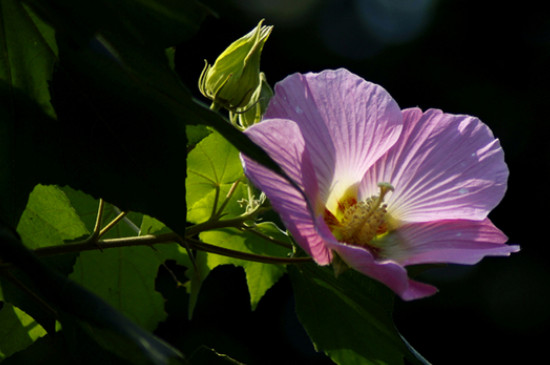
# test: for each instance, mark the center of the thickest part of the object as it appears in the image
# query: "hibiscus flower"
(382, 188)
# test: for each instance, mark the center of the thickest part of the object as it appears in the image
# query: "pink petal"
(388, 272)
(286, 200)
(347, 123)
(443, 166)
(452, 241)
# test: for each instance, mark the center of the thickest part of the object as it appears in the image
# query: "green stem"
(165, 238)
(215, 224)
(215, 204)
(97, 228)
(111, 224)
(269, 238)
(196, 244)
(90, 245)
(230, 193)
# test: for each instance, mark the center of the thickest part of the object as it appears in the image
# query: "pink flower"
(384, 187)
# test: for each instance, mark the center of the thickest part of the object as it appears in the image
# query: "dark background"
(464, 57)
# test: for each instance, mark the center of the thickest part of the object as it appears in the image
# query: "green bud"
(257, 106)
(235, 75)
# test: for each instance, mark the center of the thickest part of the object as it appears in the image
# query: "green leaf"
(28, 52)
(259, 276)
(349, 317)
(81, 311)
(212, 167)
(132, 105)
(18, 330)
(195, 134)
(122, 111)
(49, 219)
(124, 277)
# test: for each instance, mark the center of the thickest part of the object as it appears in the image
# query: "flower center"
(358, 223)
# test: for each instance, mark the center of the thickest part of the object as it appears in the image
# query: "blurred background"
(485, 59)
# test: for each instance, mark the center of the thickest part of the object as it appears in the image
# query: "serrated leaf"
(349, 317)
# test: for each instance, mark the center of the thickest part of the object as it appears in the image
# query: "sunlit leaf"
(124, 277)
(213, 166)
(18, 330)
(49, 219)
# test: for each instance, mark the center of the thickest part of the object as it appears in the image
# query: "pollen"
(359, 222)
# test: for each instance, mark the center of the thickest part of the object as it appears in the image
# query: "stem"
(208, 225)
(148, 240)
(245, 255)
(111, 224)
(89, 245)
(216, 198)
(227, 198)
(97, 228)
(269, 238)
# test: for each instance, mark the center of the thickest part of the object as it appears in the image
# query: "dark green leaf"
(80, 310)
(349, 317)
(27, 55)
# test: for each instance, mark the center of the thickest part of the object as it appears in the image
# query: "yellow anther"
(361, 221)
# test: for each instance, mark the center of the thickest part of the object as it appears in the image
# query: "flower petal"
(453, 241)
(347, 124)
(294, 210)
(388, 272)
(444, 166)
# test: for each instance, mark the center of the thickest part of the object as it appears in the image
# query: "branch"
(148, 240)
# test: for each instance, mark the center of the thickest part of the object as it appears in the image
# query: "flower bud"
(235, 75)
(257, 106)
